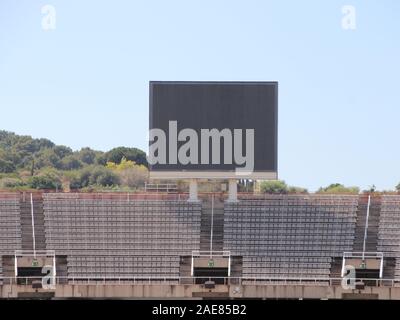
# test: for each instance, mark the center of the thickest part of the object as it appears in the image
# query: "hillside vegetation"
(27, 163)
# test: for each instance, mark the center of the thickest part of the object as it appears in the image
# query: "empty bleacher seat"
(10, 223)
(121, 237)
(290, 235)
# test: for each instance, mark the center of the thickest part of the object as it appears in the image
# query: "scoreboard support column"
(193, 196)
(232, 196)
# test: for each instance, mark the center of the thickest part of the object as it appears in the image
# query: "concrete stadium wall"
(198, 292)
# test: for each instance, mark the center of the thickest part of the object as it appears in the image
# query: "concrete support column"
(193, 197)
(232, 197)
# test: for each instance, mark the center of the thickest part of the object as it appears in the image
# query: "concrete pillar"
(193, 191)
(232, 197)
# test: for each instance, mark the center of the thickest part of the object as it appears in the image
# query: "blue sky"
(86, 82)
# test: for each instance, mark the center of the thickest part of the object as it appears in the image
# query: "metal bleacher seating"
(290, 235)
(389, 229)
(143, 236)
(10, 225)
(116, 237)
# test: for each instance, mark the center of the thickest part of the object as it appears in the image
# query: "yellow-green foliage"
(129, 173)
(124, 165)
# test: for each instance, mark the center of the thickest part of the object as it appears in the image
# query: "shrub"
(338, 188)
(274, 186)
(11, 183)
(47, 181)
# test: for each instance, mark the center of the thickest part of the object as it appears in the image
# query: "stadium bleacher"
(121, 237)
(389, 229)
(290, 236)
(10, 224)
(126, 236)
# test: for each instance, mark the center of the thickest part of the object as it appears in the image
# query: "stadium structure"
(159, 245)
(208, 245)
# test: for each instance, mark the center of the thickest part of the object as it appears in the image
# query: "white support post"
(193, 197)
(15, 265)
(229, 265)
(366, 228)
(33, 228)
(212, 226)
(54, 265)
(54, 269)
(192, 266)
(343, 265)
(232, 197)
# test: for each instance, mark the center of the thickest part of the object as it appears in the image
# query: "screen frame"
(215, 174)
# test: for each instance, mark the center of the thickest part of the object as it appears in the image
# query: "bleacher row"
(91, 266)
(10, 223)
(389, 229)
(121, 237)
(10, 226)
(125, 236)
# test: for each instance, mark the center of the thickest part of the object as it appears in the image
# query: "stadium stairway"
(336, 270)
(371, 242)
(26, 223)
(62, 269)
(185, 268)
(217, 225)
(236, 268)
(373, 224)
(389, 268)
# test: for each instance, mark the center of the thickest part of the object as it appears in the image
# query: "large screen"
(213, 129)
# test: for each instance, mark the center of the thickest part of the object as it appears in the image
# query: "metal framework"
(363, 255)
(210, 255)
(168, 280)
(35, 253)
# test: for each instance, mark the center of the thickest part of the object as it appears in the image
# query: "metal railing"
(30, 253)
(160, 187)
(168, 280)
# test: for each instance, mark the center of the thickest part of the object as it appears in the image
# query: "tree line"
(28, 163)
(280, 187)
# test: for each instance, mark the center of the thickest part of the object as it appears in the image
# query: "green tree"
(87, 155)
(274, 187)
(101, 159)
(298, 190)
(27, 157)
(338, 188)
(130, 174)
(70, 162)
(62, 151)
(47, 181)
(103, 177)
(115, 155)
(6, 166)
(92, 176)
(11, 183)
(47, 158)
(80, 179)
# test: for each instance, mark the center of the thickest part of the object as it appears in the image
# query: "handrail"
(29, 253)
(200, 253)
(33, 228)
(367, 254)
